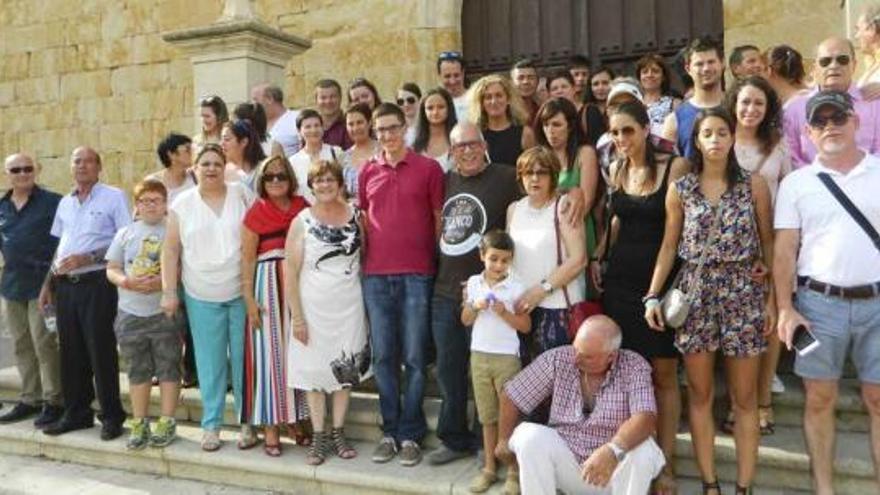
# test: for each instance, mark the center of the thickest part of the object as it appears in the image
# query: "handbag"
(577, 312)
(676, 303)
(850, 208)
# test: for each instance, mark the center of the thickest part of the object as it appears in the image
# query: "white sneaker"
(778, 386)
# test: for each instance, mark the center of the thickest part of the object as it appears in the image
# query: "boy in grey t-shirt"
(149, 341)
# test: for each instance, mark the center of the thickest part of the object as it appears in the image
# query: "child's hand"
(481, 304)
(499, 308)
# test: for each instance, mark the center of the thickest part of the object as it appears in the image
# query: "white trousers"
(546, 465)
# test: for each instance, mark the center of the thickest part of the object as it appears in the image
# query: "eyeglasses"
(821, 121)
(27, 169)
(391, 129)
(842, 60)
(623, 131)
(324, 179)
(409, 100)
(281, 177)
(536, 172)
(464, 145)
(449, 56)
(150, 201)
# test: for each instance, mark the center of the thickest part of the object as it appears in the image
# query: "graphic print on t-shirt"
(464, 222)
(146, 262)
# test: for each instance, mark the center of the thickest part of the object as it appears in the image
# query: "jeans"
(218, 333)
(452, 340)
(398, 311)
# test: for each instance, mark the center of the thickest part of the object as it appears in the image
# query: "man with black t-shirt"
(476, 200)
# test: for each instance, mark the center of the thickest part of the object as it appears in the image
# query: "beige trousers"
(36, 353)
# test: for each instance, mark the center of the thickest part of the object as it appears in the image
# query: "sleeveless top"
(657, 113)
(735, 240)
(504, 146)
(534, 259)
(642, 218)
(685, 115)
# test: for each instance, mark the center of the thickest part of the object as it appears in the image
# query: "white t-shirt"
(284, 133)
(834, 249)
(211, 244)
(461, 107)
(301, 162)
(490, 332)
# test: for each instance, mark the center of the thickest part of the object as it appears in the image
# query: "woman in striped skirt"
(267, 400)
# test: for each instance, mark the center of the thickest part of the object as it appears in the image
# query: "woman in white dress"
(329, 351)
(310, 126)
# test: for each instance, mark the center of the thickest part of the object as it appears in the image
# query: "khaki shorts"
(489, 373)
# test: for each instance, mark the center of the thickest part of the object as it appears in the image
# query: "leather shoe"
(19, 412)
(109, 431)
(49, 415)
(66, 425)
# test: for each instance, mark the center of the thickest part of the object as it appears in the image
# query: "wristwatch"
(619, 453)
(546, 286)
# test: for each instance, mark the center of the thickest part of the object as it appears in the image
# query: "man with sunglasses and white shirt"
(834, 69)
(838, 272)
(26, 213)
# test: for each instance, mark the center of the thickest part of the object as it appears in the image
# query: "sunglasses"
(409, 100)
(27, 169)
(282, 177)
(623, 131)
(842, 60)
(821, 121)
(449, 56)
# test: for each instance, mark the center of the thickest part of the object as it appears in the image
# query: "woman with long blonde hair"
(496, 107)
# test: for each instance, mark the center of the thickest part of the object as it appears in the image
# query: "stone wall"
(97, 71)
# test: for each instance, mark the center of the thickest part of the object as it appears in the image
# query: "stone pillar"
(235, 53)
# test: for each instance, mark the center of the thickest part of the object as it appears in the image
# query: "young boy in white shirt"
(489, 308)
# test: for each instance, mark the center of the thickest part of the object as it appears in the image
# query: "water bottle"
(49, 318)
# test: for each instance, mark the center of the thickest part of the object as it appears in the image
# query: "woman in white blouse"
(310, 126)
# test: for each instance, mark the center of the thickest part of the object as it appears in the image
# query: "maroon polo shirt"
(337, 135)
(400, 202)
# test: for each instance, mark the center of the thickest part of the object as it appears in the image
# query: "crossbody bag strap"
(713, 230)
(850, 208)
(559, 247)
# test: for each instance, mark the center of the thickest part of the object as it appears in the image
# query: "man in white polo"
(838, 273)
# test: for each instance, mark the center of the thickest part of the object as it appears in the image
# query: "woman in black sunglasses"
(409, 95)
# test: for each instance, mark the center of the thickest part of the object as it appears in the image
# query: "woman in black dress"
(638, 182)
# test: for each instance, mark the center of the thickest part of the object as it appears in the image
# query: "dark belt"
(80, 278)
(857, 292)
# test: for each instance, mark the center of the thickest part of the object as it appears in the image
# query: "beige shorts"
(489, 373)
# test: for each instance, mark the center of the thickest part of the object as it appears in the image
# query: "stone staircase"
(783, 467)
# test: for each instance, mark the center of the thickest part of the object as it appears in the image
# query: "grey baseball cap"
(837, 99)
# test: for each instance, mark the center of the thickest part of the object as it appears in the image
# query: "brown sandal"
(301, 432)
(665, 484)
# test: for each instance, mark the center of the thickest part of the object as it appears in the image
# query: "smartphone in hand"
(803, 340)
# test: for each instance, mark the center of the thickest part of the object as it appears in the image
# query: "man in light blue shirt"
(85, 223)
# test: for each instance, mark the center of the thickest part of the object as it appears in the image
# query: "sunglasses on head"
(837, 118)
(409, 100)
(208, 100)
(623, 131)
(280, 177)
(449, 56)
(842, 60)
(27, 169)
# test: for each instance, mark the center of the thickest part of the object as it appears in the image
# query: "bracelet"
(652, 303)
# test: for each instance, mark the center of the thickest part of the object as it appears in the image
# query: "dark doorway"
(497, 33)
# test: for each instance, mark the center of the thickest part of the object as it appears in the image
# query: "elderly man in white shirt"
(838, 272)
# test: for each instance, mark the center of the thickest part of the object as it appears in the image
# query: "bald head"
(598, 332)
(18, 160)
(21, 173)
(835, 64)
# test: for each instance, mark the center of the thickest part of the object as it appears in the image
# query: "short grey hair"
(463, 126)
(274, 93)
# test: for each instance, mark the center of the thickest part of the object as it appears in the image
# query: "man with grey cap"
(26, 213)
(836, 256)
(834, 69)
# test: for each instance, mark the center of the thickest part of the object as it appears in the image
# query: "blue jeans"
(218, 332)
(452, 341)
(398, 310)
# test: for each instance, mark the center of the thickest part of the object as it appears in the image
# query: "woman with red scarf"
(267, 400)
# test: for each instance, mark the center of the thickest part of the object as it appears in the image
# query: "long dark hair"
(423, 129)
(552, 108)
(253, 152)
(769, 133)
(787, 63)
(589, 97)
(732, 172)
(361, 82)
(638, 112)
(255, 113)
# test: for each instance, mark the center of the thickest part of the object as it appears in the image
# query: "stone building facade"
(98, 71)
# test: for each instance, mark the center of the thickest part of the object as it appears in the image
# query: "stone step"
(783, 463)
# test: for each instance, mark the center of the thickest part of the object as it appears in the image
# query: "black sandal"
(709, 486)
(343, 449)
(765, 420)
(743, 490)
(318, 449)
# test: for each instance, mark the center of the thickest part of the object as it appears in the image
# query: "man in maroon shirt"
(401, 194)
(602, 416)
(328, 100)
